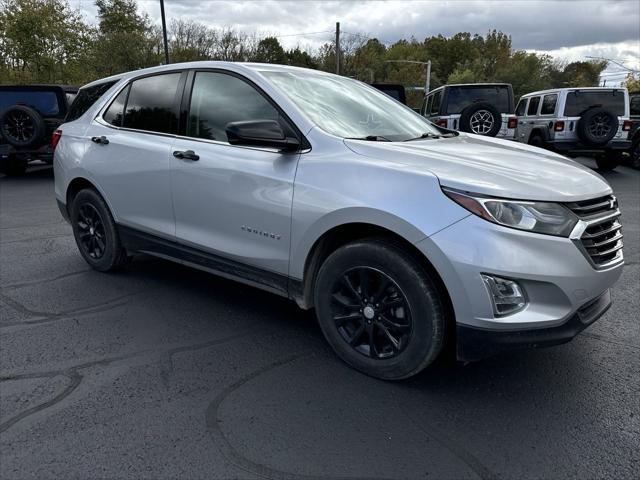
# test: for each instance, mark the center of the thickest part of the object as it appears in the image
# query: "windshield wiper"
(432, 135)
(371, 138)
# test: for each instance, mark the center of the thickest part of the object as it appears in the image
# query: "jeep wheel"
(608, 161)
(14, 166)
(536, 141)
(597, 127)
(634, 153)
(481, 119)
(379, 310)
(95, 232)
(22, 126)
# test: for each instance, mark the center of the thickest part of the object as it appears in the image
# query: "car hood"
(492, 167)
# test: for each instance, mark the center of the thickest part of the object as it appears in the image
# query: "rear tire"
(634, 153)
(536, 141)
(14, 166)
(481, 118)
(95, 232)
(609, 161)
(379, 310)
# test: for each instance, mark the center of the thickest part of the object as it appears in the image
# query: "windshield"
(348, 108)
(580, 101)
(44, 102)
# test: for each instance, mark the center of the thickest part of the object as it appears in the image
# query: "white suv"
(592, 121)
(327, 191)
(480, 108)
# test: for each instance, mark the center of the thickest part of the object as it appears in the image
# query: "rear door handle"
(100, 140)
(186, 155)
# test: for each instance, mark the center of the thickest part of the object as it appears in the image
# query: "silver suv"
(479, 108)
(324, 190)
(592, 121)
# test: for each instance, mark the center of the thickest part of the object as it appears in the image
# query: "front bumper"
(556, 275)
(476, 343)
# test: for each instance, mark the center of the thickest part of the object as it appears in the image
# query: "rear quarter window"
(522, 105)
(580, 101)
(86, 98)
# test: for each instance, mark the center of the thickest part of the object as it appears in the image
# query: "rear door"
(233, 202)
(129, 148)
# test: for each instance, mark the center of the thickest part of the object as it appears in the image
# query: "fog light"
(507, 296)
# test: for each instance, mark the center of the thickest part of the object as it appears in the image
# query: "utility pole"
(338, 48)
(427, 82)
(164, 34)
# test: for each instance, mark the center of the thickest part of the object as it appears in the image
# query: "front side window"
(218, 99)
(152, 104)
(580, 101)
(533, 106)
(521, 108)
(348, 108)
(549, 104)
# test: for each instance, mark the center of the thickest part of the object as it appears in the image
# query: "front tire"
(608, 161)
(379, 310)
(95, 232)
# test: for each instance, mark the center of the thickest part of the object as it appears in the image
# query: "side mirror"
(261, 133)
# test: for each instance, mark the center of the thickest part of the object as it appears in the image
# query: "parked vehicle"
(396, 91)
(590, 121)
(634, 131)
(29, 114)
(322, 189)
(479, 108)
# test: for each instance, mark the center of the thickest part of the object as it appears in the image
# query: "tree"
(191, 41)
(269, 50)
(300, 58)
(32, 51)
(632, 83)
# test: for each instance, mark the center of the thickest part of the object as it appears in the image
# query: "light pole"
(164, 33)
(427, 82)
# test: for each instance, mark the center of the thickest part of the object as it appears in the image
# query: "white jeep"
(591, 121)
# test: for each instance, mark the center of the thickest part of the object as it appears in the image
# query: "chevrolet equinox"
(405, 237)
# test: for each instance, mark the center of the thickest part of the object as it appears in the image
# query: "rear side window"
(152, 104)
(533, 106)
(548, 104)
(218, 99)
(461, 97)
(634, 104)
(115, 112)
(435, 105)
(86, 98)
(520, 109)
(580, 101)
(44, 102)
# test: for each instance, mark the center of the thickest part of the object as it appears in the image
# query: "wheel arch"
(539, 131)
(80, 183)
(345, 233)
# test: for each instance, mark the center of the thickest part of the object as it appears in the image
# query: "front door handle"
(100, 140)
(186, 155)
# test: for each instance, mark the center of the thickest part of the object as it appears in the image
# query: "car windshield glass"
(581, 100)
(461, 97)
(44, 102)
(348, 108)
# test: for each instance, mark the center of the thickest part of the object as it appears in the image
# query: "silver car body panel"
(235, 201)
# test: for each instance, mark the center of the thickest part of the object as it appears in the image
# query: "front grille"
(602, 237)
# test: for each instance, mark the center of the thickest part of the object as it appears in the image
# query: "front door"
(234, 202)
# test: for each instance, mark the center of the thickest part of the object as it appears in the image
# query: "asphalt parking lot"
(166, 372)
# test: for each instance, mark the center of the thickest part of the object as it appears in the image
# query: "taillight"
(626, 125)
(55, 138)
(558, 127)
(441, 122)
(512, 123)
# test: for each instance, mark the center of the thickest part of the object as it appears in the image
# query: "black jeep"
(29, 114)
(634, 133)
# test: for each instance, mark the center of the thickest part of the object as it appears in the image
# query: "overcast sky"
(570, 30)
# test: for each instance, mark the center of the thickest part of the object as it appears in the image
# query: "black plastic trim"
(63, 210)
(138, 241)
(476, 343)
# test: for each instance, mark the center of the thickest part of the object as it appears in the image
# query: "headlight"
(539, 217)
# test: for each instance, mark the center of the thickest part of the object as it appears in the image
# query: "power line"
(301, 34)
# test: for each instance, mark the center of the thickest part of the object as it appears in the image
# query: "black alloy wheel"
(91, 231)
(371, 313)
(22, 126)
(19, 126)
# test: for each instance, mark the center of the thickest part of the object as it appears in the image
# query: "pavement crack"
(32, 239)
(14, 286)
(458, 451)
(74, 381)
